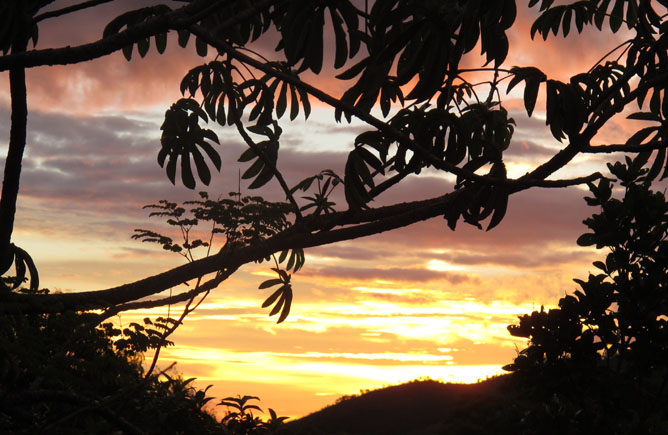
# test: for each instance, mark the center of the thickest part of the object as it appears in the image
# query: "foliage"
(242, 221)
(404, 55)
(613, 330)
(407, 57)
(240, 419)
(59, 373)
(618, 315)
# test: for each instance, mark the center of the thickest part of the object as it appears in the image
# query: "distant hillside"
(418, 407)
(555, 402)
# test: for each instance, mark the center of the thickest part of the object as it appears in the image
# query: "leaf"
(254, 169)
(500, 207)
(645, 116)
(586, 239)
(127, 52)
(263, 178)
(143, 46)
(642, 134)
(161, 42)
(181, 137)
(186, 173)
(270, 283)
(281, 104)
(271, 299)
(600, 265)
(617, 16)
(184, 35)
(201, 47)
(531, 95)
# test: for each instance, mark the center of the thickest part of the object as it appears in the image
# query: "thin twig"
(69, 9)
(624, 148)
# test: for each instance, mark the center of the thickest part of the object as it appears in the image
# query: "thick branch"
(181, 297)
(177, 19)
(17, 142)
(309, 234)
(567, 182)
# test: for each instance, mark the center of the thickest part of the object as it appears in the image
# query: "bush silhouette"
(606, 345)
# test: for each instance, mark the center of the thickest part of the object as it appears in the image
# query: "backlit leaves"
(12, 15)
(262, 170)
(634, 14)
(221, 95)
(565, 111)
(359, 176)
(478, 201)
(226, 93)
(281, 298)
(560, 17)
(280, 91)
(650, 135)
(617, 315)
(532, 78)
(427, 40)
(326, 180)
(301, 24)
(181, 140)
(133, 18)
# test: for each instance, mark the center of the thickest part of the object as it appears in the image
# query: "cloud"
(399, 274)
(527, 259)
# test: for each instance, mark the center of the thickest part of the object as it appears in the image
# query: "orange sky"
(421, 301)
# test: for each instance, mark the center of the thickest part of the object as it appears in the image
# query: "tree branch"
(212, 40)
(310, 232)
(229, 259)
(181, 297)
(624, 148)
(69, 9)
(17, 143)
(175, 20)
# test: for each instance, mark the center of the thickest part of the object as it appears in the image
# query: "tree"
(618, 317)
(404, 56)
(606, 343)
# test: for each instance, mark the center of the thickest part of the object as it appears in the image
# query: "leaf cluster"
(282, 298)
(182, 138)
(239, 419)
(133, 18)
(59, 373)
(617, 319)
(326, 181)
(17, 25)
(427, 40)
(640, 16)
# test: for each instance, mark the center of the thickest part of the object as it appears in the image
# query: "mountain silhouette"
(418, 407)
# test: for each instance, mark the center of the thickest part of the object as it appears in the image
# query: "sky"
(422, 301)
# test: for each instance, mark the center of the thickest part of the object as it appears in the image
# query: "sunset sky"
(422, 301)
